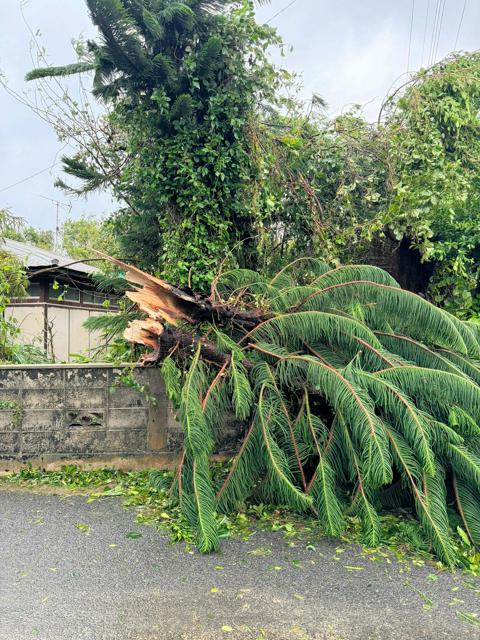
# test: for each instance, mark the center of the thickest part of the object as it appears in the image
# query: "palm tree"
(142, 45)
(350, 394)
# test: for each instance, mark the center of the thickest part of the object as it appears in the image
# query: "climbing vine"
(435, 155)
(185, 85)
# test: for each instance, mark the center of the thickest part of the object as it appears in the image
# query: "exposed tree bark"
(163, 303)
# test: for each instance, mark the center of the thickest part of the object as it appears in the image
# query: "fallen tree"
(350, 393)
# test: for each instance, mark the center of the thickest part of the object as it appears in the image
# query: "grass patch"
(148, 492)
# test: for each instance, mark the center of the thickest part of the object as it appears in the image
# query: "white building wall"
(63, 325)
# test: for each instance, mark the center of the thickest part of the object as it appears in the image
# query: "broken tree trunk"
(341, 382)
(167, 306)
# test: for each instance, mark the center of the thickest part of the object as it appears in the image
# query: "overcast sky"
(347, 51)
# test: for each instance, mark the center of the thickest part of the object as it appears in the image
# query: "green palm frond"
(206, 526)
(349, 273)
(401, 308)
(435, 388)
(429, 496)
(415, 352)
(236, 281)
(361, 504)
(293, 329)
(350, 394)
(465, 464)
(172, 377)
(308, 266)
(245, 470)
(322, 485)
(67, 70)
(469, 366)
(325, 500)
(198, 434)
(463, 423)
(404, 416)
(468, 504)
(240, 389)
(279, 479)
(432, 511)
(355, 407)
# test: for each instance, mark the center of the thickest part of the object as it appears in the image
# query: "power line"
(460, 24)
(434, 31)
(15, 184)
(281, 11)
(425, 30)
(439, 31)
(410, 37)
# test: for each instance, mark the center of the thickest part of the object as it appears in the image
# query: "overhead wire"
(425, 31)
(460, 24)
(410, 37)
(434, 32)
(33, 175)
(281, 11)
(439, 31)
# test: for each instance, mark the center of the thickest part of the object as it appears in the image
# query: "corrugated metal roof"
(34, 257)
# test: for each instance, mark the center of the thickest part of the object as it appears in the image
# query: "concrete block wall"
(53, 414)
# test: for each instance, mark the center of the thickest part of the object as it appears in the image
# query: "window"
(64, 293)
(90, 297)
(72, 294)
(99, 298)
(33, 290)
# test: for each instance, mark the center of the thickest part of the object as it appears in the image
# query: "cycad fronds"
(345, 387)
(279, 483)
(468, 505)
(67, 70)
(322, 484)
(240, 389)
(198, 434)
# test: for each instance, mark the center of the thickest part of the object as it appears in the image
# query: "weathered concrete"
(53, 413)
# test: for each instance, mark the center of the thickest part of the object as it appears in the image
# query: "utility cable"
(439, 31)
(281, 11)
(425, 31)
(434, 31)
(15, 184)
(460, 24)
(410, 37)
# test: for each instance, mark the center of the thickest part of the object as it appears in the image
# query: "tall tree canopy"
(205, 154)
(433, 129)
(185, 83)
(402, 193)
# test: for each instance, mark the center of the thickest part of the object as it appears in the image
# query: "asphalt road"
(69, 571)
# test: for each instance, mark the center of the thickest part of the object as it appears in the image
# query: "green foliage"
(185, 84)
(76, 238)
(13, 281)
(327, 183)
(401, 193)
(435, 154)
(338, 420)
(51, 72)
(79, 236)
(211, 160)
(42, 238)
(9, 224)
